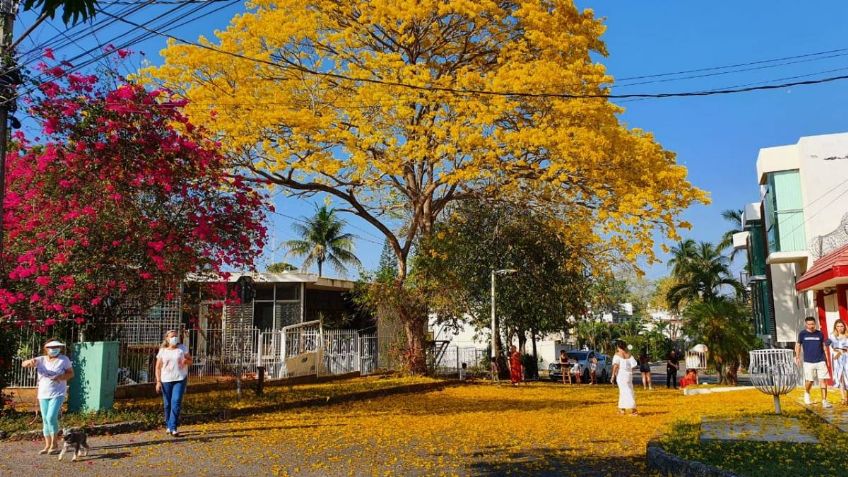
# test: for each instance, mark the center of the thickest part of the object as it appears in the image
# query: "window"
(264, 291)
(263, 315)
(784, 212)
(288, 291)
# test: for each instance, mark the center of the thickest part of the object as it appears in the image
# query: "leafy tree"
(281, 267)
(322, 239)
(658, 300)
(700, 275)
(72, 10)
(120, 195)
(387, 268)
(377, 104)
(479, 237)
(724, 325)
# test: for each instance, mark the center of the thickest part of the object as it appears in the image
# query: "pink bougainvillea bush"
(117, 194)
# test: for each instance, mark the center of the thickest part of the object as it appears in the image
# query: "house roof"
(830, 270)
(311, 280)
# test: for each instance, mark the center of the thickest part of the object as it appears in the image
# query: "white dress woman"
(839, 356)
(623, 364)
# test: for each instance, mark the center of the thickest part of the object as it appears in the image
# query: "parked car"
(582, 357)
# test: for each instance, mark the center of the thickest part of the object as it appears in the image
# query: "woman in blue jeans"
(172, 364)
(54, 370)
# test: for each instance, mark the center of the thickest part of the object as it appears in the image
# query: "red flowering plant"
(121, 193)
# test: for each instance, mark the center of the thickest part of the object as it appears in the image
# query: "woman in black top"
(645, 369)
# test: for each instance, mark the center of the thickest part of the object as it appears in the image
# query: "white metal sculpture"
(774, 372)
(696, 358)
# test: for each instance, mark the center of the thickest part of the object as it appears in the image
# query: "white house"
(802, 216)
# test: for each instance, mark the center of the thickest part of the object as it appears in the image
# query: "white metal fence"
(450, 360)
(299, 350)
(308, 349)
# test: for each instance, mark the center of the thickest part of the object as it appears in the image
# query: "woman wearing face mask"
(172, 364)
(54, 370)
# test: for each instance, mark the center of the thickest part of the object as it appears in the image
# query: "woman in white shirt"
(623, 364)
(172, 364)
(54, 370)
(839, 356)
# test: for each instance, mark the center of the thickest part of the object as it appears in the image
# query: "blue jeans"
(172, 395)
(50, 414)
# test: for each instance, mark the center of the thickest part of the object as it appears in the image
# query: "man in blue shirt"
(813, 344)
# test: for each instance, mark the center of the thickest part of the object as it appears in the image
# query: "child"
(462, 372)
(593, 368)
(690, 378)
(576, 370)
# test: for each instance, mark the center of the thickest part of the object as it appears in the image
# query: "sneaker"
(169, 432)
(807, 399)
(826, 404)
(175, 434)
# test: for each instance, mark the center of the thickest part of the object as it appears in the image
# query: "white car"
(602, 374)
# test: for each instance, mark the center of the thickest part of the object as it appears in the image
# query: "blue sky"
(716, 137)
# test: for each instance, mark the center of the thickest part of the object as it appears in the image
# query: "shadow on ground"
(495, 461)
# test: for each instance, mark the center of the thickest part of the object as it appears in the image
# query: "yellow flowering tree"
(399, 108)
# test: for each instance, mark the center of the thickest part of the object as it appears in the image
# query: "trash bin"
(96, 376)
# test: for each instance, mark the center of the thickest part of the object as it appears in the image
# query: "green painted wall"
(96, 369)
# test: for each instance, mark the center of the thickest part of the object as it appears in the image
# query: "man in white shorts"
(813, 344)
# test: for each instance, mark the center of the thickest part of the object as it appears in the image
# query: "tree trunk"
(533, 341)
(732, 372)
(320, 266)
(522, 341)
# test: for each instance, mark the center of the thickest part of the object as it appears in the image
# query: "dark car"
(582, 357)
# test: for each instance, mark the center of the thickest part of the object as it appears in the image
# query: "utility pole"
(8, 10)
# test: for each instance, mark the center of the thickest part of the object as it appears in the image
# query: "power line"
(721, 73)
(465, 91)
(737, 65)
(168, 24)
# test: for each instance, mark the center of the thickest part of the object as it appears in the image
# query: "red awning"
(830, 270)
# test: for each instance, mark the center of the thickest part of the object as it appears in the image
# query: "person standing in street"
(564, 367)
(516, 369)
(813, 345)
(645, 370)
(54, 370)
(172, 364)
(671, 367)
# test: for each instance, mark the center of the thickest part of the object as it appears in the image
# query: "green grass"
(771, 459)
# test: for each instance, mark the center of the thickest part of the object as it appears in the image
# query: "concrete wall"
(788, 316)
(824, 182)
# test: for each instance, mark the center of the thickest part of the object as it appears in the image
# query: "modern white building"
(802, 216)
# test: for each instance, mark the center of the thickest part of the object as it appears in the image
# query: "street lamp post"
(505, 271)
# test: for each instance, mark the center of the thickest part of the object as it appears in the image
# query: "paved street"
(535, 429)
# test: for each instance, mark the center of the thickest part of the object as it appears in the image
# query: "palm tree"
(735, 218)
(701, 275)
(724, 325)
(681, 256)
(322, 240)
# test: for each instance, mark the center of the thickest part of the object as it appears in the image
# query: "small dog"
(75, 438)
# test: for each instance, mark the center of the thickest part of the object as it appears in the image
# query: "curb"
(669, 464)
(138, 426)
